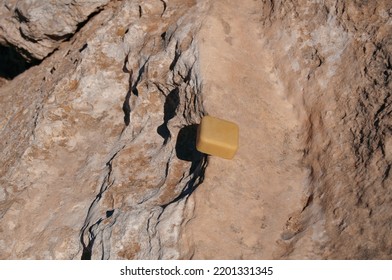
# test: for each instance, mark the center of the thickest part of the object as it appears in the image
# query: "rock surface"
(36, 28)
(298, 76)
(243, 204)
(98, 157)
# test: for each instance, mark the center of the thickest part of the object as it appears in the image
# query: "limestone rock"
(96, 139)
(98, 158)
(310, 85)
(37, 28)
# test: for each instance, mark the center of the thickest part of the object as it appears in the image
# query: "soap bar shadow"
(186, 144)
(186, 150)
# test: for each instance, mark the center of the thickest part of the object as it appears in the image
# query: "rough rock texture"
(36, 28)
(98, 159)
(95, 150)
(332, 61)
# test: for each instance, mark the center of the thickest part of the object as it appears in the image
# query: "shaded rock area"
(100, 102)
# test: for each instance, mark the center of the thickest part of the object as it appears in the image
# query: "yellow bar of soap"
(217, 137)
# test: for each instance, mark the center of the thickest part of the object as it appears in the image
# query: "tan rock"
(37, 28)
(330, 63)
(98, 158)
(91, 162)
(242, 206)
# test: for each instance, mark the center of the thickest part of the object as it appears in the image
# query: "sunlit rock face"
(100, 102)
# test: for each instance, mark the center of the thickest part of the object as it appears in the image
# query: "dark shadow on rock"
(109, 213)
(186, 144)
(132, 90)
(163, 131)
(171, 104)
(169, 111)
(127, 109)
(88, 248)
(13, 63)
(186, 150)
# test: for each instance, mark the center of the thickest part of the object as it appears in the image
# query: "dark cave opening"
(13, 63)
